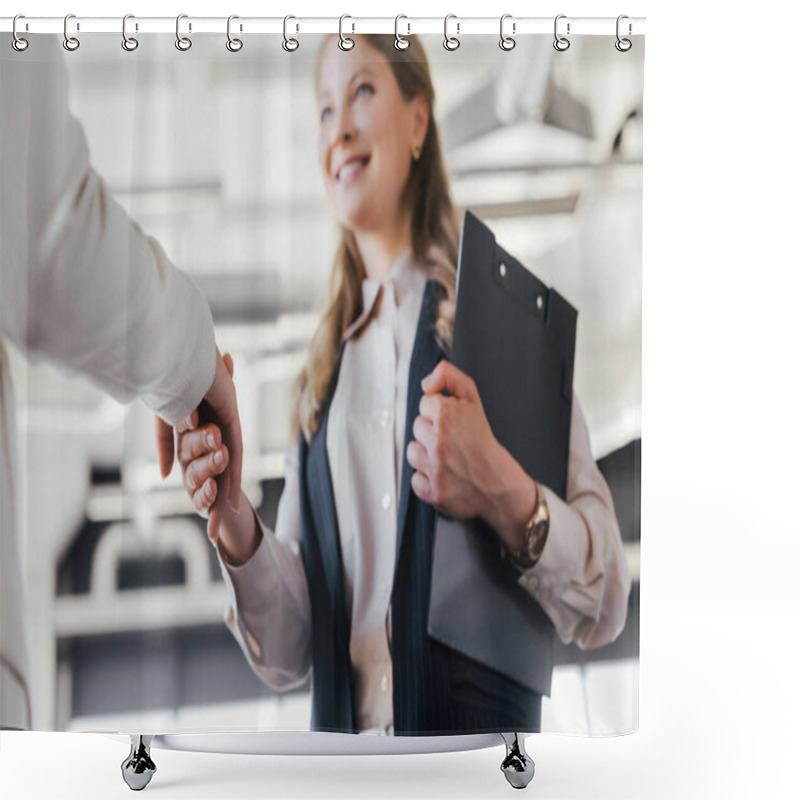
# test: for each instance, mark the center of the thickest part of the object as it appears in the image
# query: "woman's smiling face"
(367, 131)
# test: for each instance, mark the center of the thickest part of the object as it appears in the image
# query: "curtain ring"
(183, 43)
(623, 45)
(70, 42)
(129, 43)
(18, 43)
(561, 43)
(233, 44)
(289, 44)
(507, 42)
(451, 42)
(345, 42)
(400, 42)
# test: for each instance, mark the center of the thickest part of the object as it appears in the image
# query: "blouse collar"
(405, 276)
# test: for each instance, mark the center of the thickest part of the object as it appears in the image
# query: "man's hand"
(218, 406)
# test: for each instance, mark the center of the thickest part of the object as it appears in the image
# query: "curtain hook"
(346, 43)
(400, 42)
(623, 45)
(233, 44)
(507, 42)
(71, 43)
(561, 43)
(183, 43)
(451, 42)
(18, 43)
(129, 43)
(289, 44)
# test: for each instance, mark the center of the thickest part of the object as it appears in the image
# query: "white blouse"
(581, 580)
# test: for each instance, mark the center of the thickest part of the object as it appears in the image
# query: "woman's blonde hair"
(433, 224)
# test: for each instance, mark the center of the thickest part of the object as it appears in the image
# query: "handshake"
(209, 450)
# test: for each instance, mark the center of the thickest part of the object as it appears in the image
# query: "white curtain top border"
(243, 26)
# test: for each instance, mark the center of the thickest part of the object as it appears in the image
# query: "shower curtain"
(291, 205)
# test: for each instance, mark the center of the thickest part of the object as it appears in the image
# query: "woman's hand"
(204, 458)
(219, 405)
(453, 447)
(461, 469)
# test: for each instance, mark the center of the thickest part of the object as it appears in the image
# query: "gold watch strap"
(522, 558)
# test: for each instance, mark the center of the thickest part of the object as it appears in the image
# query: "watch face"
(537, 538)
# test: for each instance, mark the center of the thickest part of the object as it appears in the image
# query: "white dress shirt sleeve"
(82, 286)
(582, 580)
(268, 609)
(81, 283)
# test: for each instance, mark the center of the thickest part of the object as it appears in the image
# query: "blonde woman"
(387, 433)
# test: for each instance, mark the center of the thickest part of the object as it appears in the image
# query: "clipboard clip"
(507, 277)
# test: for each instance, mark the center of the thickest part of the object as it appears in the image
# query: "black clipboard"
(515, 337)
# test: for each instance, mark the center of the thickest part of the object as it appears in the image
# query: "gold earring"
(416, 152)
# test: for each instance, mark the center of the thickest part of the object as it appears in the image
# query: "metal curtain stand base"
(517, 766)
(138, 768)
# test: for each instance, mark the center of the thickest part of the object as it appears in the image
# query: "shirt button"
(384, 419)
(544, 595)
(386, 501)
(385, 683)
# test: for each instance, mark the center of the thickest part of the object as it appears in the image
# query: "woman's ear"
(421, 111)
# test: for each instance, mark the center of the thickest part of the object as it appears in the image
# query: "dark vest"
(436, 689)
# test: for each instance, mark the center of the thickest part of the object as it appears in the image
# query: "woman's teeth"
(348, 170)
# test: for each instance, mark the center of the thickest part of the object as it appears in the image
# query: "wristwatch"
(535, 538)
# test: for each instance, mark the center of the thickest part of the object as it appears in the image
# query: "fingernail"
(219, 458)
(210, 439)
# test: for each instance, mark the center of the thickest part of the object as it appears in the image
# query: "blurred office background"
(215, 154)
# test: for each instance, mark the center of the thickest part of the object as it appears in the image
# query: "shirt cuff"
(242, 584)
(567, 547)
(203, 367)
(247, 579)
(264, 616)
(196, 371)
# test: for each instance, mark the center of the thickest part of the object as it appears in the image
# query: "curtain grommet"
(18, 42)
(71, 43)
(129, 43)
(345, 42)
(623, 44)
(233, 44)
(507, 42)
(401, 42)
(451, 43)
(289, 43)
(182, 43)
(561, 43)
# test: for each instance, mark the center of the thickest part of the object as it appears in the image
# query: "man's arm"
(82, 285)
